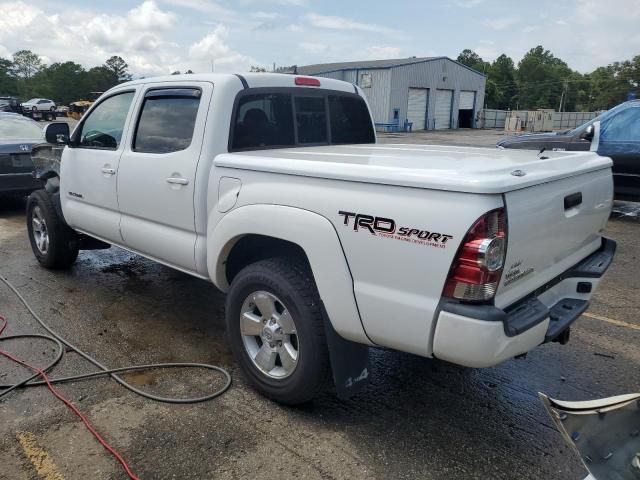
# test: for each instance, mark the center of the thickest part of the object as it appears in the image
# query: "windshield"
(19, 128)
(33, 100)
(601, 118)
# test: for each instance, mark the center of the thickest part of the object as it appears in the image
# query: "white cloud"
(313, 48)
(142, 36)
(213, 48)
(383, 52)
(469, 3)
(342, 23)
(500, 23)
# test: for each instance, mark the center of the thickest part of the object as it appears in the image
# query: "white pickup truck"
(273, 188)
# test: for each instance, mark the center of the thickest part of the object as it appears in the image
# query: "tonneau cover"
(461, 169)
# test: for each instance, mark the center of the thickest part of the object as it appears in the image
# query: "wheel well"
(252, 248)
(51, 181)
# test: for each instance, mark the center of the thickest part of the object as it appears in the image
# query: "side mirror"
(57, 133)
(588, 133)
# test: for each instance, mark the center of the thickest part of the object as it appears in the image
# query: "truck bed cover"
(461, 169)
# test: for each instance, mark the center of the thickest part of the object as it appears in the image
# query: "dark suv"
(619, 139)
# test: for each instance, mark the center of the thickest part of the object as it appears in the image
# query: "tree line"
(26, 76)
(539, 80)
(542, 80)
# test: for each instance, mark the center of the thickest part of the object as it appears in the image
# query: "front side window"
(104, 126)
(167, 120)
(293, 117)
(622, 127)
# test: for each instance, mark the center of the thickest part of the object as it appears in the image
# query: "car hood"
(16, 146)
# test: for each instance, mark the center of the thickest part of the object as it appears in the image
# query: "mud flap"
(349, 362)
(605, 434)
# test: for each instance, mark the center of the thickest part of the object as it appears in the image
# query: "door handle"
(178, 181)
(108, 171)
(572, 200)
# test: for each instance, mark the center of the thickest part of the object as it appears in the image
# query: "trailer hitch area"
(605, 433)
(563, 338)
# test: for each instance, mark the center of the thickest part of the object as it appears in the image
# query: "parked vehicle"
(39, 104)
(325, 242)
(619, 140)
(18, 136)
(10, 104)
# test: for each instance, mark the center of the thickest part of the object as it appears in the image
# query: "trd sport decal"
(386, 227)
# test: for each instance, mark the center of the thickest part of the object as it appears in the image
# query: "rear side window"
(350, 121)
(167, 120)
(263, 120)
(293, 117)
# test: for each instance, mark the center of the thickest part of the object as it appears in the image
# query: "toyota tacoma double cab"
(273, 188)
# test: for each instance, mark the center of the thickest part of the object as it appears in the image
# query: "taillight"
(307, 81)
(478, 265)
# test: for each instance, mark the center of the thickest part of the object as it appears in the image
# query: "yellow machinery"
(77, 109)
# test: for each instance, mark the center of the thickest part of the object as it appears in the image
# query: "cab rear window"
(280, 118)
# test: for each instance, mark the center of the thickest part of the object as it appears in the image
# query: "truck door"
(89, 168)
(620, 140)
(158, 169)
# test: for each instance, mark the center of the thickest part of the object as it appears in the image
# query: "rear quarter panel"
(397, 282)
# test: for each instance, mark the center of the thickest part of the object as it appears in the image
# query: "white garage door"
(442, 114)
(417, 108)
(467, 99)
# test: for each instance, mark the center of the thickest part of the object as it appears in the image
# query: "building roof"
(370, 64)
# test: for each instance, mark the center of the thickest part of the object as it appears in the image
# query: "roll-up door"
(417, 107)
(442, 115)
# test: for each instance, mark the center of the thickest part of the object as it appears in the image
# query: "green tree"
(66, 82)
(119, 67)
(26, 64)
(542, 79)
(8, 83)
(473, 60)
(256, 68)
(501, 84)
(100, 79)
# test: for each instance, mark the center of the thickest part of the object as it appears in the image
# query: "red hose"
(70, 406)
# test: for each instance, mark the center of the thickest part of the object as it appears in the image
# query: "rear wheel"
(54, 244)
(276, 330)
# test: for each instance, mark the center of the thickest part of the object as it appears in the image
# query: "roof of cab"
(253, 80)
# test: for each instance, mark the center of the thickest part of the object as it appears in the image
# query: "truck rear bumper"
(483, 335)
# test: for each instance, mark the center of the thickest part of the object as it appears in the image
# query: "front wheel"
(54, 244)
(276, 330)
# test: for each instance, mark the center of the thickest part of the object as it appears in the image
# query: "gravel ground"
(419, 419)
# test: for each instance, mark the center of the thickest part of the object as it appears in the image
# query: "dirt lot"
(419, 419)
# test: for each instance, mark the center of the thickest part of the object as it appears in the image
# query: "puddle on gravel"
(626, 210)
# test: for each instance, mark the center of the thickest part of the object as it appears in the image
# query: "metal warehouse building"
(432, 92)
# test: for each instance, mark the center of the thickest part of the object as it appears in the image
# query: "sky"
(162, 36)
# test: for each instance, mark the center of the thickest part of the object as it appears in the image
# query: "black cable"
(61, 342)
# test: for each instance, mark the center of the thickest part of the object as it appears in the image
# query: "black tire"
(62, 249)
(292, 282)
(52, 109)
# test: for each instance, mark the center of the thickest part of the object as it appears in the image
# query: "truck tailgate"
(551, 227)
